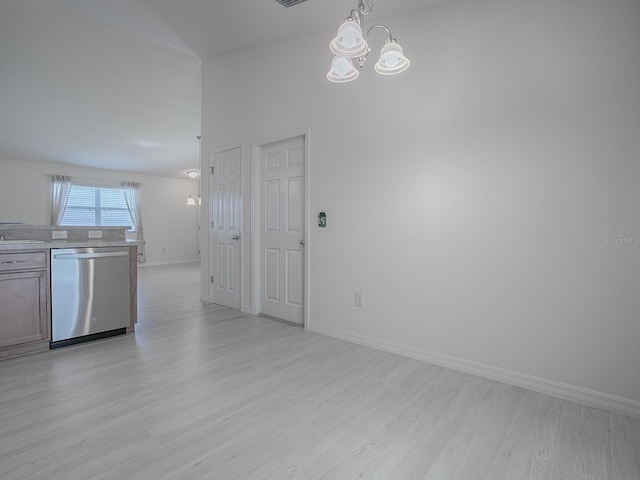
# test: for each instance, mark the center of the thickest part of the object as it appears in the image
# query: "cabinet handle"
(13, 262)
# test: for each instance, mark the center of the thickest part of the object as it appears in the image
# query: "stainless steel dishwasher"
(90, 294)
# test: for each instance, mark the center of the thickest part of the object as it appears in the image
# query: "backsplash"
(49, 233)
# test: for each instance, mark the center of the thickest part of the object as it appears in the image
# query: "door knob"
(235, 237)
(302, 242)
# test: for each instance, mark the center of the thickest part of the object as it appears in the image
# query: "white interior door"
(282, 230)
(224, 246)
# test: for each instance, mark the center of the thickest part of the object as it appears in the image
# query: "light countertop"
(67, 244)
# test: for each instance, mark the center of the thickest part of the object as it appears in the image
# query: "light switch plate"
(59, 235)
(95, 233)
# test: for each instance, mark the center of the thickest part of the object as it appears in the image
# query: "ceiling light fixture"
(193, 200)
(351, 44)
(193, 173)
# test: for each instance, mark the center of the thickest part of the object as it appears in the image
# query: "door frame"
(256, 212)
(212, 257)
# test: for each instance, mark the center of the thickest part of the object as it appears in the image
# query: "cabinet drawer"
(22, 261)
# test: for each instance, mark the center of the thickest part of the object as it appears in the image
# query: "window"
(96, 206)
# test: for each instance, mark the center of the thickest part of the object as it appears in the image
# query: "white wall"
(481, 200)
(170, 226)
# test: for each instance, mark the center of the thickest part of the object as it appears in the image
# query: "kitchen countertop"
(68, 244)
(43, 237)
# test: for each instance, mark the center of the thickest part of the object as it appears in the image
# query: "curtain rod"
(95, 181)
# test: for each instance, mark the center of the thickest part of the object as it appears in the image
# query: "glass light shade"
(342, 70)
(392, 60)
(349, 41)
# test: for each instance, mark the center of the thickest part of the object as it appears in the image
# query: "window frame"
(98, 208)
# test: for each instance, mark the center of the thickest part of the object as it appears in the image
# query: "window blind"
(96, 206)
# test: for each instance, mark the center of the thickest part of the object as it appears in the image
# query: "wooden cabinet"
(24, 312)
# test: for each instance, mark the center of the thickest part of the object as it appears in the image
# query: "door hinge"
(211, 278)
(213, 224)
(211, 170)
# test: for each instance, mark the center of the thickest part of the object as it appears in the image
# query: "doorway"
(225, 226)
(280, 193)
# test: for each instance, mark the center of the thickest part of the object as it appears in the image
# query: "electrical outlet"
(95, 233)
(359, 300)
(59, 235)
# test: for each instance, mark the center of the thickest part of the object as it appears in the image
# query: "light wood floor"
(204, 392)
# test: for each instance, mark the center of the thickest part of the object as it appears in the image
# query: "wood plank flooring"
(204, 392)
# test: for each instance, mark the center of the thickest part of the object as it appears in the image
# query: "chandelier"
(351, 44)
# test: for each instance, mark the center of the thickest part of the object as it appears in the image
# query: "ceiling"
(115, 84)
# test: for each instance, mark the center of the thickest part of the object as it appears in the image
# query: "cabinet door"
(23, 307)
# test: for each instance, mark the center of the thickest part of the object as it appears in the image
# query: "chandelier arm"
(362, 58)
(357, 17)
(390, 39)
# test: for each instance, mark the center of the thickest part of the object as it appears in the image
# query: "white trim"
(625, 406)
(255, 227)
(256, 146)
(307, 229)
(231, 146)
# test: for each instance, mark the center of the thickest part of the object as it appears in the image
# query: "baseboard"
(205, 298)
(170, 262)
(246, 309)
(573, 393)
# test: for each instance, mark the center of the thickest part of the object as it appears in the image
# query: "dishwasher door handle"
(71, 256)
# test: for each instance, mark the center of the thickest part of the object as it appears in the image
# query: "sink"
(9, 242)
